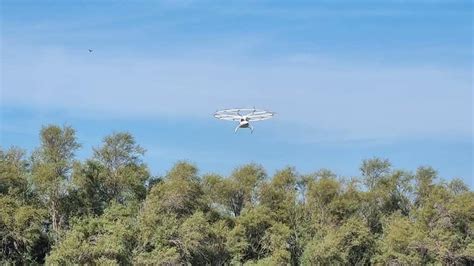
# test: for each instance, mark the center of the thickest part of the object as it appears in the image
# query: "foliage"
(107, 209)
(13, 178)
(352, 243)
(21, 231)
(238, 190)
(52, 163)
(122, 171)
(110, 237)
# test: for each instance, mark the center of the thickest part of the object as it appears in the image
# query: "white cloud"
(346, 100)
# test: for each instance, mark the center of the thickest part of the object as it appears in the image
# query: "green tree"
(119, 167)
(254, 222)
(279, 195)
(13, 172)
(389, 191)
(238, 190)
(321, 193)
(403, 242)
(424, 178)
(156, 233)
(108, 239)
(22, 236)
(352, 244)
(237, 244)
(180, 193)
(448, 220)
(373, 170)
(347, 204)
(277, 241)
(52, 163)
(90, 189)
(173, 220)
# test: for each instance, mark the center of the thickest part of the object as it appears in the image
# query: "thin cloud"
(334, 97)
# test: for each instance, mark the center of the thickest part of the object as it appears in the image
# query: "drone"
(244, 116)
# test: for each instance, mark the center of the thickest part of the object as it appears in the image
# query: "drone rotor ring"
(251, 114)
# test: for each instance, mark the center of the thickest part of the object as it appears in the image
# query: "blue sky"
(349, 80)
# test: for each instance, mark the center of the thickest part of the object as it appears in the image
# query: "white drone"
(244, 116)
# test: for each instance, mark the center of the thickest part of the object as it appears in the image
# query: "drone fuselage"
(244, 124)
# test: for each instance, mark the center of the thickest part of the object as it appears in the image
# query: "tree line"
(108, 209)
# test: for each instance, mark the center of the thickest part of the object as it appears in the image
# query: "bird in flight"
(90, 50)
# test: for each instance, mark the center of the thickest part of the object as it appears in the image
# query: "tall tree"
(13, 172)
(402, 242)
(52, 163)
(119, 162)
(173, 227)
(424, 177)
(321, 193)
(89, 188)
(280, 195)
(351, 244)
(22, 238)
(373, 170)
(105, 240)
(238, 190)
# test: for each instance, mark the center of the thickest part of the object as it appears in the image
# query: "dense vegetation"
(109, 210)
